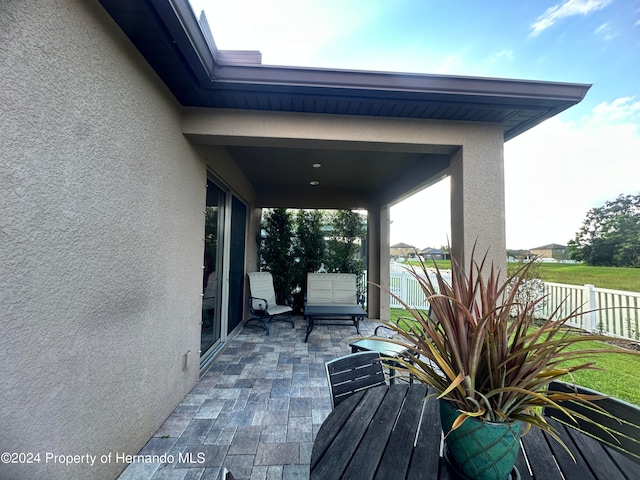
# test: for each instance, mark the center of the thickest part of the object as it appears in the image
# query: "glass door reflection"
(211, 282)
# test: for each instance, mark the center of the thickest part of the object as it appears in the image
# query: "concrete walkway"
(256, 411)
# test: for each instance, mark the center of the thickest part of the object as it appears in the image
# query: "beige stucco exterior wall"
(378, 223)
(102, 218)
(262, 128)
(477, 198)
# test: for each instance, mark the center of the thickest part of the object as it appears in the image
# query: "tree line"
(296, 242)
(610, 234)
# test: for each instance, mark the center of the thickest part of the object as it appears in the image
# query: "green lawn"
(618, 378)
(616, 278)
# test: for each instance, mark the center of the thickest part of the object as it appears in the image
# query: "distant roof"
(402, 245)
(168, 35)
(551, 246)
(431, 251)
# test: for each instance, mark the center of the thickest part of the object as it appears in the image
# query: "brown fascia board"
(548, 98)
(400, 82)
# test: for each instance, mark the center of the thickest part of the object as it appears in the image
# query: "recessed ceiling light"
(314, 182)
(316, 165)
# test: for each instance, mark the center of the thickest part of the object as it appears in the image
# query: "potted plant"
(482, 351)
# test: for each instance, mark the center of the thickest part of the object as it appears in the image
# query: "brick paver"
(256, 411)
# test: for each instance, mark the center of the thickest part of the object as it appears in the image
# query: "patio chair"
(262, 302)
(353, 373)
(389, 349)
(622, 431)
(209, 301)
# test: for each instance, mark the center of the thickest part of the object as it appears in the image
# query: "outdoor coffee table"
(354, 313)
(394, 432)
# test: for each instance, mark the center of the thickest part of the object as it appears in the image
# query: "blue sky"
(555, 172)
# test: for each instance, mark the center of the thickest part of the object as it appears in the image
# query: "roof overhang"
(183, 53)
(168, 34)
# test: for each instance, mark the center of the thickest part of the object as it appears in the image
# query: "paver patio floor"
(255, 411)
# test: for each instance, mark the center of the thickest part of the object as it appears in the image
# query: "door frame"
(208, 357)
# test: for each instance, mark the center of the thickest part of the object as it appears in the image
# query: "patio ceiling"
(346, 178)
(167, 34)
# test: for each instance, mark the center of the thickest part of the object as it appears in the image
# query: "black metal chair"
(387, 350)
(352, 373)
(621, 426)
(226, 474)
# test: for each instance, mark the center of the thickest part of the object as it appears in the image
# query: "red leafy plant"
(481, 349)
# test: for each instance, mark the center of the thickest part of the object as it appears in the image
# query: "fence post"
(403, 286)
(590, 294)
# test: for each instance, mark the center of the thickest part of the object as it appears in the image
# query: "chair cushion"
(278, 309)
(331, 289)
(209, 299)
(261, 286)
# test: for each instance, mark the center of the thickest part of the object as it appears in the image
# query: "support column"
(378, 262)
(477, 201)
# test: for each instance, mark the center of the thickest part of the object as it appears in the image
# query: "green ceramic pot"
(480, 450)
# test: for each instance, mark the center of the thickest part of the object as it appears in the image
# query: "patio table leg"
(309, 328)
(356, 322)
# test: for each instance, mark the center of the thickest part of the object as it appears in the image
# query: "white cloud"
(451, 65)
(621, 110)
(567, 9)
(287, 32)
(606, 30)
(557, 171)
(503, 54)
(554, 174)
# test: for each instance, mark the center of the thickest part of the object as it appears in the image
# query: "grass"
(618, 377)
(615, 278)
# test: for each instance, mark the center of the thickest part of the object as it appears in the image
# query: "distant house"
(517, 255)
(553, 250)
(402, 250)
(434, 254)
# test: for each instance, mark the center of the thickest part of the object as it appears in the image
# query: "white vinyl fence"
(405, 286)
(614, 313)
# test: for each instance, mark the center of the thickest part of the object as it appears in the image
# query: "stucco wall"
(101, 226)
(477, 198)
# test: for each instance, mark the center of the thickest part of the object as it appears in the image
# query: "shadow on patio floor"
(256, 411)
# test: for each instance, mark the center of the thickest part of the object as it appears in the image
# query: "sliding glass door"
(236, 262)
(213, 267)
(224, 269)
